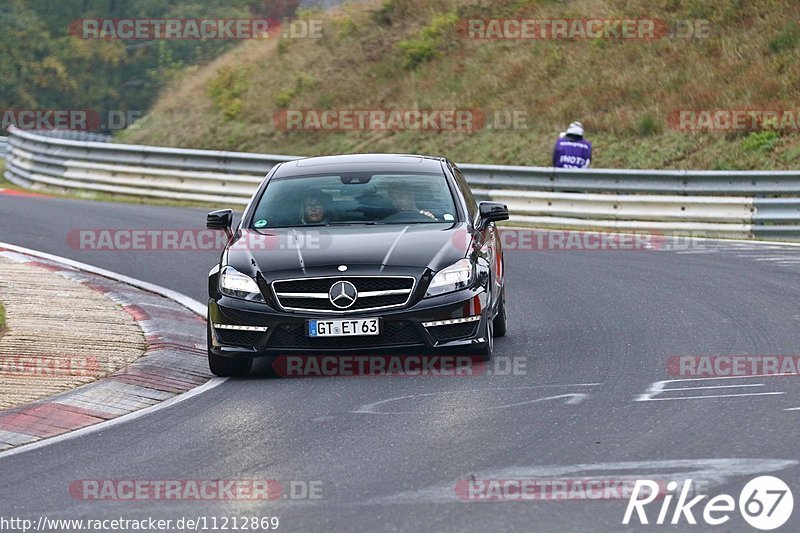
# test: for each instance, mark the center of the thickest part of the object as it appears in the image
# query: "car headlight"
(235, 284)
(453, 278)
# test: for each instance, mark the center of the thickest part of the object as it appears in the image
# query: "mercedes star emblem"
(343, 294)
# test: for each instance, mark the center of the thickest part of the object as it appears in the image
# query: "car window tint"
(355, 198)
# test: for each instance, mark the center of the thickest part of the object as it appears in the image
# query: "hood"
(433, 246)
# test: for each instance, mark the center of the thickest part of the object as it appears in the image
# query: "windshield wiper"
(361, 223)
(299, 226)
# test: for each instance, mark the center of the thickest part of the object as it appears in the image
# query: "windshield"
(355, 198)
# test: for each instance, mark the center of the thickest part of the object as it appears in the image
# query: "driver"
(404, 199)
(312, 208)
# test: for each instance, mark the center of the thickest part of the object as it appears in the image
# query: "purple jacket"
(572, 153)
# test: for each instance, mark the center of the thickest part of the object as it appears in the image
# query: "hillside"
(412, 54)
(49, 63)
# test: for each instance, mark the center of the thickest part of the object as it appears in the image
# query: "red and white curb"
(15, 192)
(173, 368)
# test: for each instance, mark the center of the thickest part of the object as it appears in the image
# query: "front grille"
(453, 331)
(393, 333)
(241, 338)
(286, 292)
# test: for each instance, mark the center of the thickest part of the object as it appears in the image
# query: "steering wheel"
(407, 216)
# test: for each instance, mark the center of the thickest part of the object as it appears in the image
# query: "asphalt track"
(594, 331)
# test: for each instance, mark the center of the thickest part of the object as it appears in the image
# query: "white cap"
(576, 128)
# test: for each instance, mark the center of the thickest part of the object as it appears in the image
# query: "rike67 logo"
(765, 503)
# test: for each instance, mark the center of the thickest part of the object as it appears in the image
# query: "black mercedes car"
(359, 253)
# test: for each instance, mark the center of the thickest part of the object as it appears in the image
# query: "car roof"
(361, 163)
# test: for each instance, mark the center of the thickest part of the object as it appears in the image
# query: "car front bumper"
(412, 329)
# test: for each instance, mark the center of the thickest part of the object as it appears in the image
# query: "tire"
(226, 366)
(229, 366)
(501, 319)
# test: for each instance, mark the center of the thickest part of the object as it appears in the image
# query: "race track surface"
(593, 331)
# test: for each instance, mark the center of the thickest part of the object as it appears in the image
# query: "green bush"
(429, 42)
(787, 40)
(227, 89)
(416, 52)
(302, 81)
(648, 126)
(284, 97)
(345, 27)
(760, 141)
(283, 46)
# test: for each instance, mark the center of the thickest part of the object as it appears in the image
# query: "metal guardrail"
(61, 134)
(737, 204)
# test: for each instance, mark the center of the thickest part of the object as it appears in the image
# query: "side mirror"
(492, 212)
(221, 219)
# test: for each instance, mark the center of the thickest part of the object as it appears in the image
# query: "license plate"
(344, 328)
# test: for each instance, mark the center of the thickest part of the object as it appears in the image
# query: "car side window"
(472, 205)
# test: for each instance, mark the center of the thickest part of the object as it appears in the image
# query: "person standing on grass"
(571, 149)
